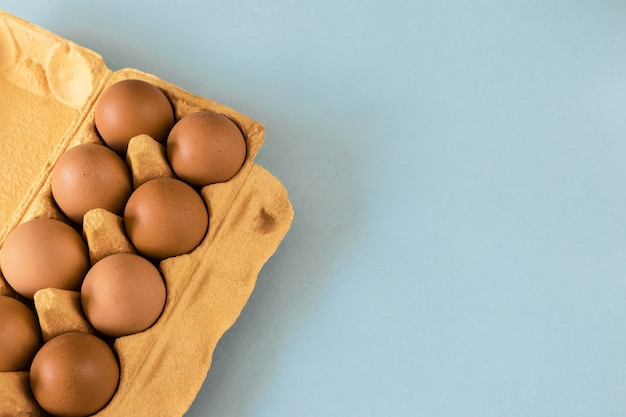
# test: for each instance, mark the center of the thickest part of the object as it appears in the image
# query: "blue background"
(458, 173)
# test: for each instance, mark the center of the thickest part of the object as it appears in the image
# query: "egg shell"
(74, 374)
(122, 294)
(206, 147)
(90, 176)
(43, 253)
(129, 108)
(162, 368)
(20, 335)
(165, 217)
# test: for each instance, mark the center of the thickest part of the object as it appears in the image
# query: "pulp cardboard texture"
(48, 90)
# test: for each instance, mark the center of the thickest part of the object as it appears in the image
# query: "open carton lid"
(48, 90)
(46, 82)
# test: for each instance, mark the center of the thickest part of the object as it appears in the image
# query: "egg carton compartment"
(163, 367)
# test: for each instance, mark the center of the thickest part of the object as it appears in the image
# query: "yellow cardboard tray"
(48, 90)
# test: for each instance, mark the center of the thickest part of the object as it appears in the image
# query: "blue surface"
(458, 172)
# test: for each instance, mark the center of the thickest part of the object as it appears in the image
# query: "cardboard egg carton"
(49, 87)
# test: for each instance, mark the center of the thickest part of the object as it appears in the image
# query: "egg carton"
(49, 87)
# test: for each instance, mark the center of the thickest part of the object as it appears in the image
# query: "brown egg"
(165, 217)
(20, 335)
(123, 294)
(206, 147)
(43, 253)
(132, 107)
(74, 374)
(90, 176)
